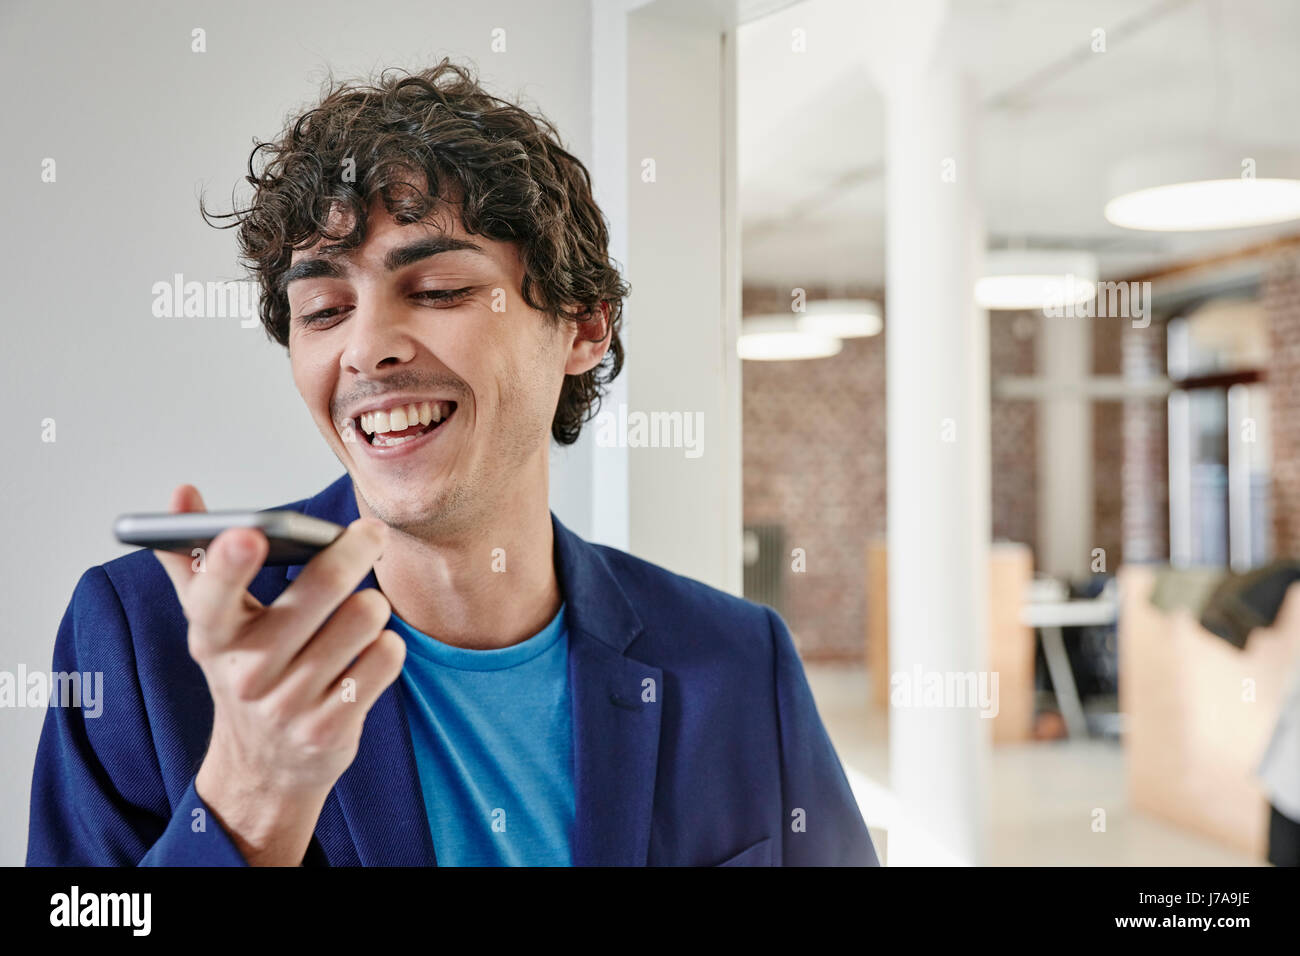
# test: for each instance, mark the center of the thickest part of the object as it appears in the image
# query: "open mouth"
(403, 423)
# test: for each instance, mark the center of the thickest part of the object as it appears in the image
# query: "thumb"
(186, 500)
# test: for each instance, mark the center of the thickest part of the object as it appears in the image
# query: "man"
(458, 679)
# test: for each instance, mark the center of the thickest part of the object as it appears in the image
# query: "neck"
(492, 585)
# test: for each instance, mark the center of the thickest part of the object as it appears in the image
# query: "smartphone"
(294, 538)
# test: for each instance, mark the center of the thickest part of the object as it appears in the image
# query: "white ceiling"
(1054, 117)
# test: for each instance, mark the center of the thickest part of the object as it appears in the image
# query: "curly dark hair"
(503, 167)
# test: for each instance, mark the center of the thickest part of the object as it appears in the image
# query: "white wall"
(684, 316)
(138, 125)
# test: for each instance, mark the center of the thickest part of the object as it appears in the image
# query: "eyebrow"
(325, 265)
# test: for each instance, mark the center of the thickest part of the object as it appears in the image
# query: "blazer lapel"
(616, 710)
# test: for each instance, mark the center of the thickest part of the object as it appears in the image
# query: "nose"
(375, 341)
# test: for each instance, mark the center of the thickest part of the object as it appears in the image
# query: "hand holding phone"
(291, 682)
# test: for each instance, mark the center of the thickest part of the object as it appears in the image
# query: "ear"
(590, 341)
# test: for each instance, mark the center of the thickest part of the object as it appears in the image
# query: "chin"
(433, 510)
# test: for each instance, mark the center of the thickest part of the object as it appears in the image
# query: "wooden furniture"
(1193, 734)
(1011, 642)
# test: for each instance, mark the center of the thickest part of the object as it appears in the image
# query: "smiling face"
(425, 370)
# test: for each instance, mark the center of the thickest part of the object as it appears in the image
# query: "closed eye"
(444, 295)
(318, 318)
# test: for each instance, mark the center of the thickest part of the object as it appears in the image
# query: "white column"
(676, 231)
(1064, 355)
(938, 427)
(684, 312)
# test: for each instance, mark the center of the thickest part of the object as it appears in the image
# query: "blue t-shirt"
(492, 732)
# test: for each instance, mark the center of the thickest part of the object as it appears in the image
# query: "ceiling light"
(1034, 279)
(779, 338)
(841, 318)
(1199, 187)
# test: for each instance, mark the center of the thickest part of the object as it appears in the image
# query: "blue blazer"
(722, 760)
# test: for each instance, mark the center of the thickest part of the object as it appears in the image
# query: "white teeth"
(386, 442)
(401, 417)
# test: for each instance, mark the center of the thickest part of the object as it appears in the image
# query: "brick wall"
(1281, 299)
(1144, 475)
(1013, 424)
(814, 462)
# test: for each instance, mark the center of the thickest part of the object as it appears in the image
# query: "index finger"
(217, 598)
(325, 583)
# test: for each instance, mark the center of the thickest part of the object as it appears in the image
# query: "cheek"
(312, 378)
(536, 374)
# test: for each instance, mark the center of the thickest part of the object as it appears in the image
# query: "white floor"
(1043, 793)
